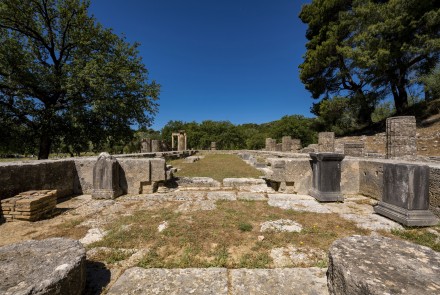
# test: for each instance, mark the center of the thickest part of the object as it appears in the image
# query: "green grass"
(225, 237)
(419, 236)
(216, 166)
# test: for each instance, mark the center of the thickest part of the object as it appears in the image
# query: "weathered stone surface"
(156, 281)
(286, 142)
(228, 196)
(52, 266)
(379, 265)
(156, 146)
(296, 171)
(326, 142)
(279, 281)
(146, 145)
(326, 183)
(401, 137)
(350, 177)
(197, 182)
(93, 235)
(199, 205)
(135, 175)
(17, 177)
(250, 196)
(406, 196)
(297, 203)
(271, 144)
(354, 149)
(106, 178)
(213, 146)
(191, 159)
(281, 225)
(247, 184)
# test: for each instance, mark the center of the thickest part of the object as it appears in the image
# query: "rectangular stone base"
(105, 194)
(326, 196)
(406, 217)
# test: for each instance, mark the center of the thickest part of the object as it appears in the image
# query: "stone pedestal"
(406, 195)
(106, 178)
(156, 146)
(326, 182)
(326, 142)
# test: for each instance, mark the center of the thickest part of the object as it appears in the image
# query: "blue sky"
(232, 60)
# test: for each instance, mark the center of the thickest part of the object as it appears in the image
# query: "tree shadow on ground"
(98, 277)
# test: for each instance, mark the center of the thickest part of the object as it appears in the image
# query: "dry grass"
(69, 229)
(217, 166)
(225, 237)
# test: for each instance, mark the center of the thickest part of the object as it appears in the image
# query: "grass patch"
(112, 256)
(225, 237)
(419, 236)
(68, 229)
(216, 166)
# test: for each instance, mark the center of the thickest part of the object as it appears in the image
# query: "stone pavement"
(221, 281)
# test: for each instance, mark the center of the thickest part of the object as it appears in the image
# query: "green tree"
(63, 75)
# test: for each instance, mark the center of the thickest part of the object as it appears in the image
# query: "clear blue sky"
(234, 60)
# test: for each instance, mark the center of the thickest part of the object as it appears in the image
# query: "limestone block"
(157, 168)
(354, 149)
(54, 266)
(106, 178)
(379, 265)
(326, 142)
(326, 182)
(401, 139)
(156, 146)
(196, 281)
(371, 178)
(83, 183)
(134, 175)
(405, 195)
(197, 182)
(434, 190)
(228, 196)
(350, 177)
(146, 145)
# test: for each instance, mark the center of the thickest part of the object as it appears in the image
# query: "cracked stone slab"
(93, 235)
(281, 225)
(372, 221)
(380, 265)
(249, 196)
(299, 205)
(279, 281)
(51, 266)
(228, 196)
(158, 281)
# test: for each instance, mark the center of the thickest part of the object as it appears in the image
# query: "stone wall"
(401, 137)
(18, 177)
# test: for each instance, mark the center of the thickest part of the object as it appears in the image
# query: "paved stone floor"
(125, 279)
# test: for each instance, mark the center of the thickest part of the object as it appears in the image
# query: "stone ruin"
(106, 178)
(326, 142)
(213, 146)
(181, 140)
(146, 145)
(401, 137)
(30, 206)
(354, 149)
(156, 146)
(287, 145)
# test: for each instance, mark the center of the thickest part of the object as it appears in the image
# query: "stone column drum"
(213, 146)
(181, 142)
(326, 182)
(406, 195)
(106, 178)
(401, 137)
(156, 146)
(270, 144)
(326, 142)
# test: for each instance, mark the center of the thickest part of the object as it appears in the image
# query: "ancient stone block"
(326, 183)
(354, 149)
(406, 195)
(146, 145)
(271, 144)
(213, 146)
(379, 265)
(279, 147)
(156, 146)
(326, 142)
(296, 145)
(401, 137)
(30, 205)
(106, 178)
(286, 144)
(54, 266)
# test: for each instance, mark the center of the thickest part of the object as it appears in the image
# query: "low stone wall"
(18, 177)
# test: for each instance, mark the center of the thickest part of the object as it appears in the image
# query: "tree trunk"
(400, 98)
(45, 145)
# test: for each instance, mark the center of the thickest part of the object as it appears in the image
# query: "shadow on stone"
(122, 180)
(98, 277)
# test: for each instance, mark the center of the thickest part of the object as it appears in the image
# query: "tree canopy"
(65, 78)
(369, 50)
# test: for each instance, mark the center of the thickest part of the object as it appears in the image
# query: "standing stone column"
(181, 142)
(401, 137)
(156, 146)
(326, 142)
(326, 183)
(406, 195)
(271, 144)
(146, 145)
(213, 146)
(286, 144)
(106, 178)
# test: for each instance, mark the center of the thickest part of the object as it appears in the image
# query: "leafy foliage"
(64, 78)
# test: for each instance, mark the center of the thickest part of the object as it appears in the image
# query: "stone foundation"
(30, 206)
